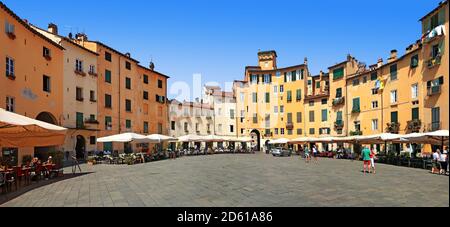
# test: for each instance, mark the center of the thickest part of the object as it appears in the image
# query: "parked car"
(281, 152)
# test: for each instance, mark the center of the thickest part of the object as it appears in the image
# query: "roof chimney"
(306, 61)
(380, 62)
(53, 28)
(393, 56)
(349, 57)
(81, 37)
(128, 55)
(152, 66)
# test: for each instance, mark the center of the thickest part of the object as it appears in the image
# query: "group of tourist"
(369, 156)
(440, 162)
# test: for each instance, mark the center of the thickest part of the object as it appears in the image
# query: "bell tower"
(267, 60)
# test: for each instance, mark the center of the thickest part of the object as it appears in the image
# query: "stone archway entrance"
(42, 152)
(256, 136)
(80, 147)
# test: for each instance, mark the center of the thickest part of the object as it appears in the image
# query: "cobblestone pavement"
(241, 181)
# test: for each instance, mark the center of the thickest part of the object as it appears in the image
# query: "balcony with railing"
(414, 126)
(393, 127)
(338, 101)
(356, 133)
(434, 90)
(434, 61)
(434, 126)
(339, 124)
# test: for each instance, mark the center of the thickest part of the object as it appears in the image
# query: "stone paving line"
(241, 181)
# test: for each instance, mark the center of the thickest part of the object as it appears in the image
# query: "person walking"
(307, 154)
(315, 154)
(366, 159)
(436, 157)
(373, 154)
(443, 161)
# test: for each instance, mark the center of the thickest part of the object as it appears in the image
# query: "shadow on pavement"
(4, 198)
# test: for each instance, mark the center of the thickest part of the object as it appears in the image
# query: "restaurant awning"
(189, 138)
(20, 131)
(158, 138)
(378, 139)
(279, 141)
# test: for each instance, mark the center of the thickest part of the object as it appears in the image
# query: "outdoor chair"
(10, 180)
(20, 175)
(3, 182)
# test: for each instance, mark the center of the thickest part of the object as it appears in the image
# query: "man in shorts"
(366, 159)
(307, 155)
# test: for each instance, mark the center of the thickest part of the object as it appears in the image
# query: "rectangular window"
(128, 65)
(339, 93)
(128, 83)
(145, 127)
(365, 79)
(79, 94)
(267, 78)
(160, 84)
(9, 28)
(374, 104)
(92, 96)
(108, 56)
(374, 124)
(128, 124)
(108, 101)
(10, 104)
(160, 128)
(267, 120)
(311, 116)
(92, 69)
(79, 65)
(356, 105)
(373, 76)
(414, 61)
(294, 75)
(394, 97)
(299, 131)
(127, 105)
(186, 127)
(312, 131)
(46, 83)
(231, 114)
(267, 97)
(79, 120)
(276, 131)
(355, 82)
(324, 115)
(393, 70)
(415, 91)
(242, 95)
(107, 76)
(289, 96)
(299, 117)
(92, 140)
(289, 118)
(415, 114)
(46, 53)
(311, 103)
(435, 118)
(255, 97)
(231, 128)
(338, 73)
(10, 67)
(255, 118)
(275, 109)
(282, 131)
(145, 95)
(318, 85)
(299, 95)
(145, 77)
(281, 88)
(394, 117)
(282, 109)
(324, 101)
(108, 123)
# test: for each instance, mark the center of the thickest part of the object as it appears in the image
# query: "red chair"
(19, 174)
(38, 171)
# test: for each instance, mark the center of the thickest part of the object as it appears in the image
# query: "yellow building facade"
(32, 76)
(404, 94)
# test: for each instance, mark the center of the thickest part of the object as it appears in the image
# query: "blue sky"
(218, 38)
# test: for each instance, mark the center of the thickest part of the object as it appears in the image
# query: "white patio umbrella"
(124, 138)
(189, 138)
(302, 140)
(20, 131)
(212, 138)
(279, 141)
(158, 138)
(378, 139)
